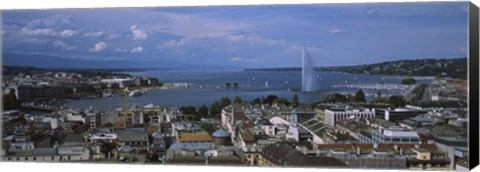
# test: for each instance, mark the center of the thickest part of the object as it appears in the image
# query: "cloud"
(56, 21)
(137, 50)
(113, 36)
(93, 34)
(235, 37)
(38, 32)
(67, 33)
(194, 25)
(63, 45)
(99, 46)
(251, 60)
(138, 34)
(335, 31)
(120, 50)
(235, 59)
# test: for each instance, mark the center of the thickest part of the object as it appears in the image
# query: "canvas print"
(358, 86)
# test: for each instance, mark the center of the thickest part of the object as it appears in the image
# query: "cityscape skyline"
(244, 36)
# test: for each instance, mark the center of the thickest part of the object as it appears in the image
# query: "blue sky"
(244, 36)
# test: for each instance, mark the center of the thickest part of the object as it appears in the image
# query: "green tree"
(209, 128)
(215, 108)
(256, 101)
(270, 99)
(282, 101)
(238, 99)
(360, 96)
(225, 101)
(418, 92)
(203, 111)
(10, 101)
(397, 101)
(384, 100)
(335, 98)
(295, 101)
(409, 81)
(187, 110)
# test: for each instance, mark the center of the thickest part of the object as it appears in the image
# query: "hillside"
(455, 68)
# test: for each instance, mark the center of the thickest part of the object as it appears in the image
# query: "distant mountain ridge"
(455, 68)
(55, 62)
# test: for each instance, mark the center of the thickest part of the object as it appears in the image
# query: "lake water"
(251, 85)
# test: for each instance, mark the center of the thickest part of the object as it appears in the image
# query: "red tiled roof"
(192, 137)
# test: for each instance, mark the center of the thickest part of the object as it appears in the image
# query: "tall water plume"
(309, 82)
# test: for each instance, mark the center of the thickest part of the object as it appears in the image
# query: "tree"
(381, 100)
(228, 84)
(409, 81)
(225, 101)
(256, 101)
(203, 111)
(187, 110)
(295, 101)
(235, 85)
(418, 92)
(360, 96)
(209, 128)
(397, 101)
(379, 94)
(270, 99)
(215, 108)
(238, 99)
(282, 101)
(10, 101)
(335, 98)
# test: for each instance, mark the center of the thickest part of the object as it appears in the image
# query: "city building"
(389, 135)
(333, 114)
(137, 138)
(285, 154)
(120, 83)
(204, 153)
(398, 114)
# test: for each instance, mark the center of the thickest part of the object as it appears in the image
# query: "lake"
(251, 85)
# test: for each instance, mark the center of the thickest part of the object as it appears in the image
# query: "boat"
(135, 93)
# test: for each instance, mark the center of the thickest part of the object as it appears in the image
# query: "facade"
(302, 114)
(137, 138)
(335, 114)
(395, 136)
(392, 156)
(121, 83)
(398, 114)
(28, 93)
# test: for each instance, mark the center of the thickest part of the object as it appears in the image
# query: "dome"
(221, 133)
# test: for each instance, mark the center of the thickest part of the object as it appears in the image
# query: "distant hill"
(455, 68)
(54, 62)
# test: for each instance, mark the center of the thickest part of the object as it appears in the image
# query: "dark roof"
(285, 154)
(74, 138)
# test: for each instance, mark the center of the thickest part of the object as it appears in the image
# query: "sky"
(244, 36)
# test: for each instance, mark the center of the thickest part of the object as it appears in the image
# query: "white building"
(122, 83)
(332, 115)
(395, 136)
